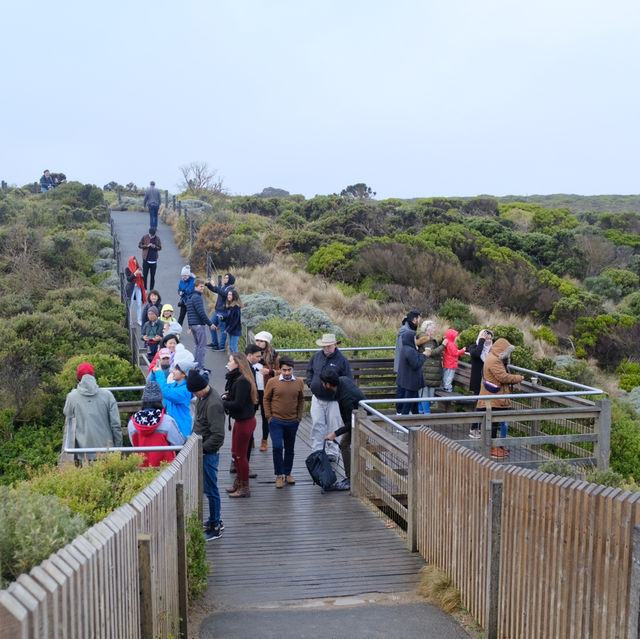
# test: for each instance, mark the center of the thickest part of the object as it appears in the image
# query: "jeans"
(283, 439)
(326, 418)
(233, 343)
(447, 378)
(149, 267)
(137, 295)
(153, 215)
(218, 339)
(240, 438)
(210, 480)
(406, 408)
(424, 408)
(200, 338)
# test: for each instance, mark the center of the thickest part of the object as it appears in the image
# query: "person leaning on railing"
(496, 381)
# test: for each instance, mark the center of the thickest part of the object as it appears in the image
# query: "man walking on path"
(225, 284)
(95, 411)
(325, 413)
(283, 406)
(150, 245)
(152, 199)
(209, 424)
(348, 396)
(198, 321)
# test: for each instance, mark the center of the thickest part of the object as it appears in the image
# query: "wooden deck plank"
(297, 543)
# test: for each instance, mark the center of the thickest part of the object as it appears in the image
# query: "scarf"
(133, 266)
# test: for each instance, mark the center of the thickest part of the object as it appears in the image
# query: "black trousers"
(149, 268)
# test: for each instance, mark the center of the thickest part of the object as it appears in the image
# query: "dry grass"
(436, 587)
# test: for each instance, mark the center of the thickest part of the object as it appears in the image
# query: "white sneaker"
(474, 433)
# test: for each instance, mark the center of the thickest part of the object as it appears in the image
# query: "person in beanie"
(151, 426)
(209, 424)
(95, 411)
(409, 325)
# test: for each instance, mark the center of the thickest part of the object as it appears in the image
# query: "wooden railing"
(124, 577)
(533, 555)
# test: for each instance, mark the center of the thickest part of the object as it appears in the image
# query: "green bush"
(560, 467)
(33, 527)
(316, 320)
(629, 373)
(289, 333)
(258, 307)
(512, 334)
(545, 334)
(96, 489)
(329, 260)
(458, 314)
(197, 566)
(625, 440)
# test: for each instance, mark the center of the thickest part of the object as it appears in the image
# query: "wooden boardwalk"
(297, 543)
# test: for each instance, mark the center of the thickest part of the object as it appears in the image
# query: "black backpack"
(320, 469)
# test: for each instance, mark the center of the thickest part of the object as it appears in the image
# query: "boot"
(243, 490)
(232, 468)
(236, 485)
(263, 445)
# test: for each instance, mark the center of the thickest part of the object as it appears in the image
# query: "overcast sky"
(413, 97)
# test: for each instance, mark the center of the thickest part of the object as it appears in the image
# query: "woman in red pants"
(240, 400)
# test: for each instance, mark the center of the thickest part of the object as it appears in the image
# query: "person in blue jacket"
(176, 397)
(232, 317)
(185, 288)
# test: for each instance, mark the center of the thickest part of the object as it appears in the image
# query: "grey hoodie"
(96, 414)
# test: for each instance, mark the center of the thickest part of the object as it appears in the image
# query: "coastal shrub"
(258, 307)
(631, 305)
(545, 334)
(288, 333)
(457, 313)
(629, 373)
(329, 260)
(316, 320)
(625, 440)
(33, 527)
(197, 566)
(241, 250)
(95, 489)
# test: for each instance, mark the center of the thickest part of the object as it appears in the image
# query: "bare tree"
(198, 177)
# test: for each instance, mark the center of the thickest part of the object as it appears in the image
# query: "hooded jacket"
(96, 414)
(176, 400)
(410, 365)
(171, 318)
(451, 351)
(495, 372)
(153, 427)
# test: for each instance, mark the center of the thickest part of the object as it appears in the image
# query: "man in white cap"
(325, 412)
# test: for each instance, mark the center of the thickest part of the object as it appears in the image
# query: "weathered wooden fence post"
(633, 628)
(485, 447)
(166, 199)
(119, 196)
(181, 542)
(173, 202)
(412, 492)
(179, 208)
(602, 447)
(5, 188)
(355, 452)
(200, 481)
(493, 557)
(146, 586)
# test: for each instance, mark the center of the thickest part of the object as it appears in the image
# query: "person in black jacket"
(348, 396)
(240, 400)
(209, 424)
(478, 353)
(225, 284)
(198, 321)
(325, 413)
(150, 245)
(410, 378)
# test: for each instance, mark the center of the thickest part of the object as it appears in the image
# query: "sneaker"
(289, 479)
(207, 527)
(214, 533)
(279, 481)
(345, 484)
(213, 346)
(474, 433)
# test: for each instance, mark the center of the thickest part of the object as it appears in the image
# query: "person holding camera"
(225, 284)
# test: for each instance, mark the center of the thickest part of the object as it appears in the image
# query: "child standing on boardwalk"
(450, 357)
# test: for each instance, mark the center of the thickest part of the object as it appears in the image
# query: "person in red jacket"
(151, 426)
(450, 357)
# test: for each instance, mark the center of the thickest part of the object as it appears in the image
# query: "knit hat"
(153, 309)
(85, 369)
(195, 381)
(152, 393)
(186, 271)
(264, 336)
(182, 355)
(185, 366)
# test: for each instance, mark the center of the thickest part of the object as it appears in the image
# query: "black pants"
(183, 313)
(149, 267)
